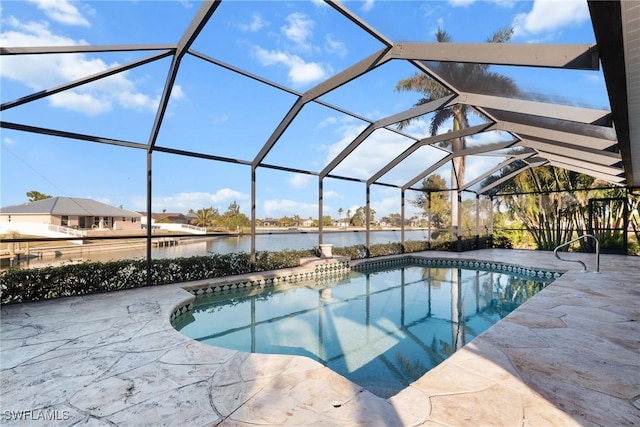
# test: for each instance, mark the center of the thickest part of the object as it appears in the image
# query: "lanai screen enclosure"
(325, 116)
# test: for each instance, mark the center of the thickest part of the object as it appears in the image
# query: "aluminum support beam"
(338, 80)
(82, 81)
(582, 129)
(428, 141)
(200, 155)
(553, 135)
(71, 135)
(574, 168)
(188, 37)
(348, 150)
(612, 35)
(356, 70)
(340, 7)
(594, 156)
(37, 50)
(367, 219)
(510, 176)
(414, 112)
(534, 108)
(253, 219)
(465, 152)
(277, 133)
(569, 56)
(605, 170)
(434, 167)
(402, 216)
(490, 172)
(242, 72)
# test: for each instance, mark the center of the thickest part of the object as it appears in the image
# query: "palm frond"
(439, 118)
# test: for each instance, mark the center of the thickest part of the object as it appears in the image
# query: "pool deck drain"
(569, 356)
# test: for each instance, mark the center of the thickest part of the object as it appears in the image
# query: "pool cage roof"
(516, 131)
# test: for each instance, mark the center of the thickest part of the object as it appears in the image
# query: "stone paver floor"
(569, 356)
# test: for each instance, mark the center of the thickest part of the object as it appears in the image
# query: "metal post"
(149, 213)
(459, 222)
(477, 221)
(320, 208)
(402, 213)
(252, 258)
(429, 217)
(367, 220)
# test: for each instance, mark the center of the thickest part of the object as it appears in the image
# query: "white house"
(66, 214)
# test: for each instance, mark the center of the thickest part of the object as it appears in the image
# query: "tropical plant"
(233, 219)
(206, 217)
(34, 196)
(359, 219)
(434, 202)
(552, 203)
(465, 77)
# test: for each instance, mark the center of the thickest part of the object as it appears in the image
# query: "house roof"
(166, 215)
(68, 206)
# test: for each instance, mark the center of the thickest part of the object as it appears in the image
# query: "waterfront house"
(270, 222)
(166, 218)
(67, 212)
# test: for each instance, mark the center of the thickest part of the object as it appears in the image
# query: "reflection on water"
(224, 245)
(382, 330)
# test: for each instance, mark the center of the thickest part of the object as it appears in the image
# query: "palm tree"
(205, 217)
(340, 210)
(465, 77)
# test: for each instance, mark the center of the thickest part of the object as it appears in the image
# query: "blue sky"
(296, 45)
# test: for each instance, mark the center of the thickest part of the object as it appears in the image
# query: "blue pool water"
(381, 329)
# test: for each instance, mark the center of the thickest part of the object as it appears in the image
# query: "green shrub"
(34, 284)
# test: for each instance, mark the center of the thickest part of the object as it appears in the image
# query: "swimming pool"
(381, 328)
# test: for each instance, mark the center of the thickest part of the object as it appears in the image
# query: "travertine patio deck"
(569, 356)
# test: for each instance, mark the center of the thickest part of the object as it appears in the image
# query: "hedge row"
(34, 284)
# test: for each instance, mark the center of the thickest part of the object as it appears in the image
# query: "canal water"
(223, 245)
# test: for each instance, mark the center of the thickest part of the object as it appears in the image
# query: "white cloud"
(329, 121)
(8, 141)
(489, 137)
(331, 194)
(137, 101)
(220, 119)
(62, 11)
(335, 46)
(39, 72)
(456, 3)
(104, 200)
(370, 156)
(256, 24)
(182, 202)
(548, 16)
(464, 3)
(298, 29)
(367, 5)
(177, 93)
(280, 207)
(298, 180)
(592, 78)
(300, 72)
(387, 205)
(80, 102)
(504, 3)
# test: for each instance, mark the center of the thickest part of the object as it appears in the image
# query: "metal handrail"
(584, 267)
